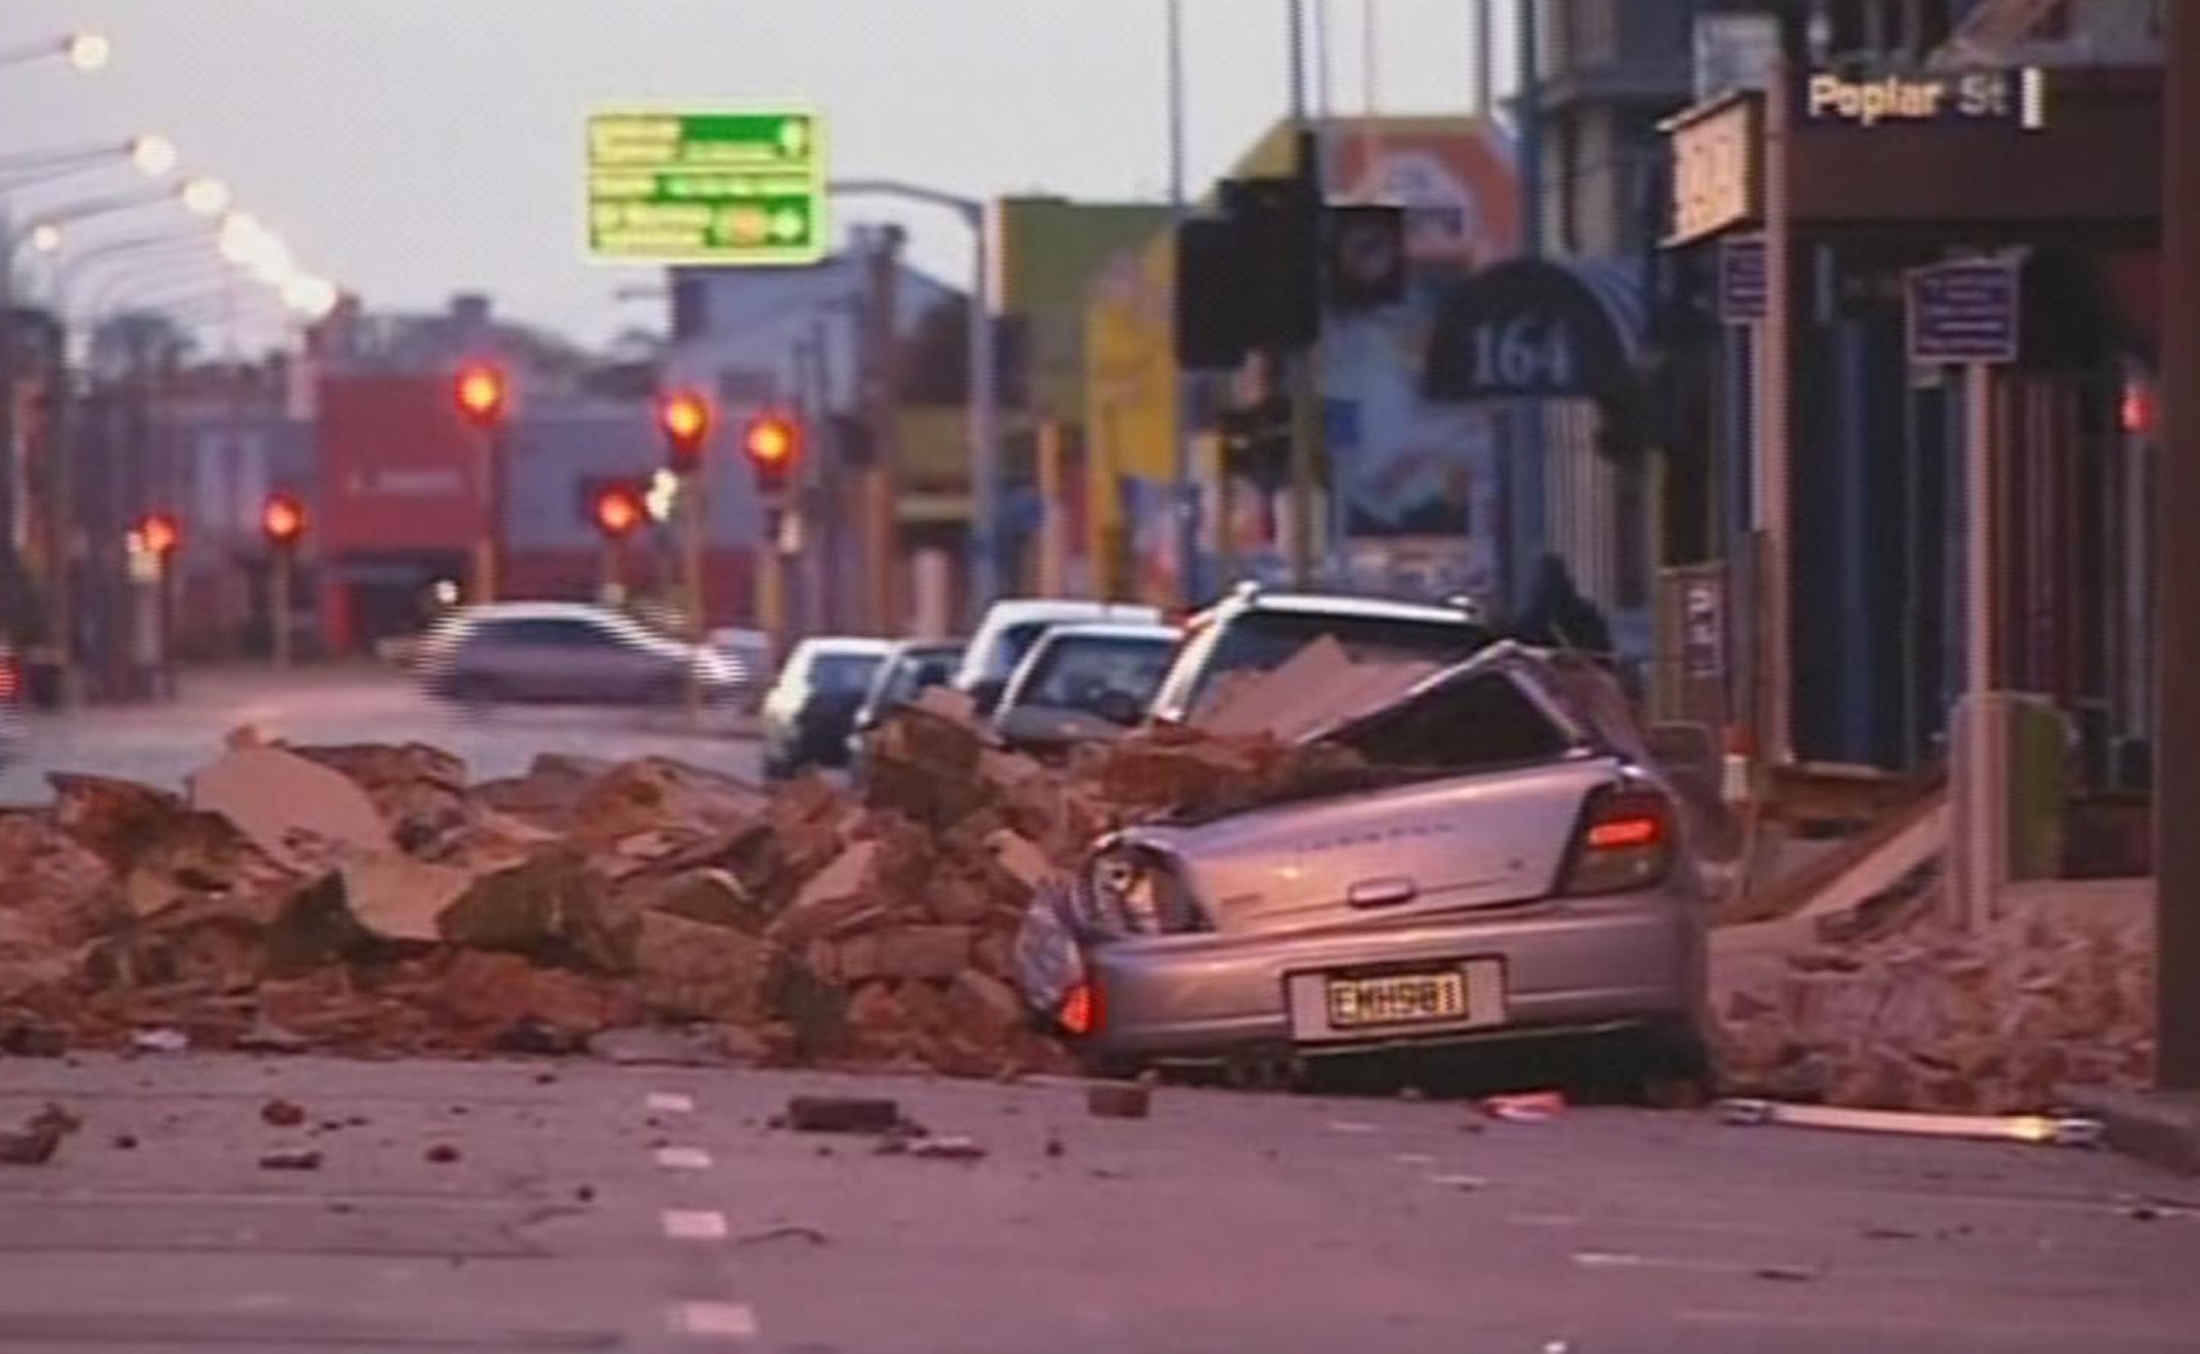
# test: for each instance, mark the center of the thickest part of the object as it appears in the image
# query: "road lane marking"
(684, 1224)
(714, 1320)
(683, 1158)
(1628, 1260)
(670, 1102)
(1350, 1126)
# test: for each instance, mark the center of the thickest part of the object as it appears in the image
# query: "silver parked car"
(1081, 683)
(1506, 865)
(565, 651)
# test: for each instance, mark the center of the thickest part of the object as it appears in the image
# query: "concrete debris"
(1890, 1006)
(39, 1138)
(300, 1160)
(1119, 1101)
(442, 1154)
(369, 899)
(282, 1114)
(941, 1149)
(842, 1114)
(1532, 1107)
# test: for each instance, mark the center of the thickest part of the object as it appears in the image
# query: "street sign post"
(697, 187)
(1966, 313)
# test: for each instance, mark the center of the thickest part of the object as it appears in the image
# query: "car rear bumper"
(1560, 966)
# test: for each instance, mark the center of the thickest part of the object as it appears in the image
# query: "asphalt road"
(638, 1208)
(163, 742)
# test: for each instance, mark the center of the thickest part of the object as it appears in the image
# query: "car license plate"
(1397, 999)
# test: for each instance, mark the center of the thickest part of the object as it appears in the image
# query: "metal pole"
(1775, 432)
(1528, 518)
(1983, 791)
(2177, 576)
(1485, 59)
(278, 606)
(1186, 474)
(984, 466)
(1298, 369)
(692, 524)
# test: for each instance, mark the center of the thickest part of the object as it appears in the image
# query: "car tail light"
(1080, 1010)
(1625, 842)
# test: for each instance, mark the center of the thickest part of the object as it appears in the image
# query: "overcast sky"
(412, 148)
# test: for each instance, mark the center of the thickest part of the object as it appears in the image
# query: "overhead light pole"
(984, 449)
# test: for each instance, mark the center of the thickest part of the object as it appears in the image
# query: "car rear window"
(842, 674)
(1078, 674)
(1470, 724)
(1261, 641)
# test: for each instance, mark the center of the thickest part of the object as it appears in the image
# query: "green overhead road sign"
(724, 188)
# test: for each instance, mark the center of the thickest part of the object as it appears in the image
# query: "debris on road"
(301, 1160)
(842, 1114)
(2030, 1128)
(1533, 1107)
(791, 1232)
(1892, 1004)
(442, 1154)
(1127, 1100)
(939, 1149)
(39, 1138)
(161, 1041)
(282, 1114)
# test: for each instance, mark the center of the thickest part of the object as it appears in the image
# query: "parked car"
(809, 710)
(1013, 625)
(911, 667)
(1082, 683)
(1507, 867)
(11, 702)
(1253, 630)
(564, 651)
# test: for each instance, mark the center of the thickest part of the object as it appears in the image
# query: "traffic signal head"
(160, 533)
(773, 443)
(481, 394)
(283, 519)
(685, 418)
(618, 511)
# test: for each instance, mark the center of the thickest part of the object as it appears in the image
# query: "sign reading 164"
(1523, 354)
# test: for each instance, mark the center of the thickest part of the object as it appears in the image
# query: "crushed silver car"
(1504, 864)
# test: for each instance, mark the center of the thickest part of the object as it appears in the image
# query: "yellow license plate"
(1397, 999)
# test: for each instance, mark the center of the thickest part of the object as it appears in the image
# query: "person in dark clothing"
(1559, 617)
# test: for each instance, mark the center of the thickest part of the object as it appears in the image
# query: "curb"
(2161, 1128)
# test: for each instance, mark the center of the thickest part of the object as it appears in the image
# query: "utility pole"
(1187, 478)
(1300, 371)
(1525, 482)
(2177, 574)
(1485, 59)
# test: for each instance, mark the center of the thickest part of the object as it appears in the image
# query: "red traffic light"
(685, 417)
(283, 519)
(481, 394)
(618, 511)
(159, 533)
(772, 442)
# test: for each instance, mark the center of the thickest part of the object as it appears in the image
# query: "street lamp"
(45, 237)
(86, 51)
(153, 154)
(206, 197)
(984, 454)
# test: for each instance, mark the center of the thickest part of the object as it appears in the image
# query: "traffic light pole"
(694, 519)
(771, 579)
(487, 565)
(278, 606)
